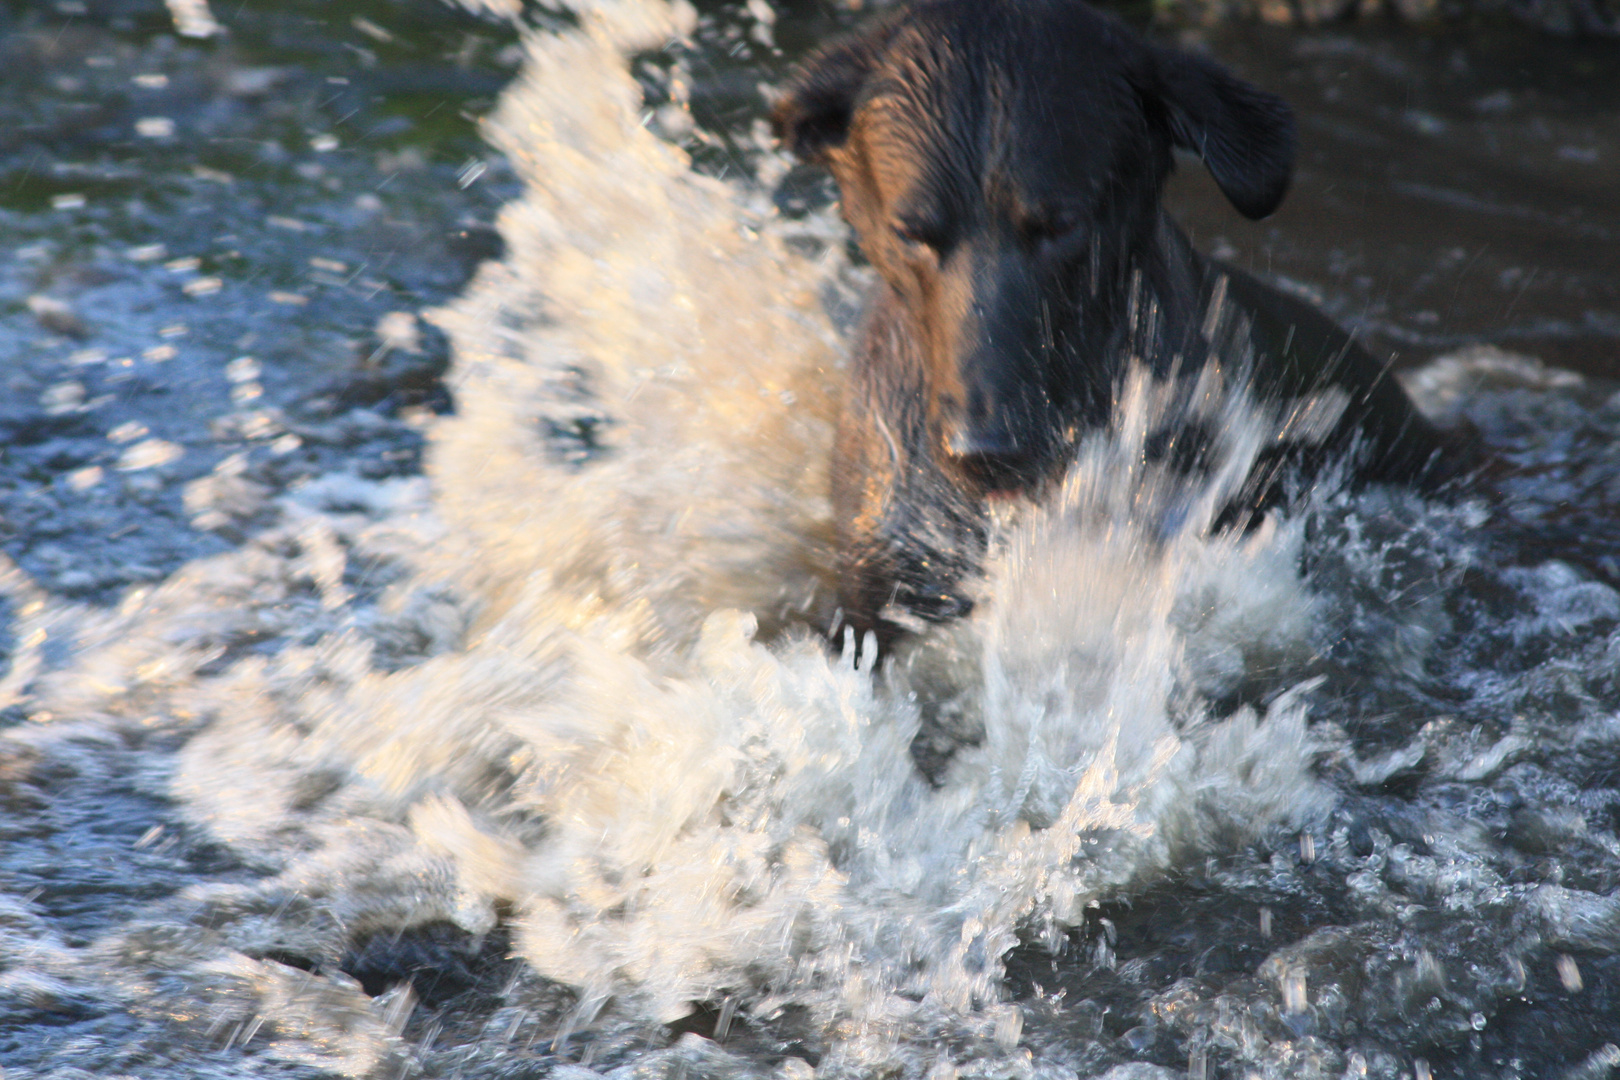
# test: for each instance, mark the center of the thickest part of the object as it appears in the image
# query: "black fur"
(1002, 162)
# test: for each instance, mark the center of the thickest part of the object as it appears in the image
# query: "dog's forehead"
(967, 90)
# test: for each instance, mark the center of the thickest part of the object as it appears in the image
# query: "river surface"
(415, 513)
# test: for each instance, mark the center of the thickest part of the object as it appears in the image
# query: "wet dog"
(1002, 162)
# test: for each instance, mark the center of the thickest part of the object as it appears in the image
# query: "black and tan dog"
(1002, 163)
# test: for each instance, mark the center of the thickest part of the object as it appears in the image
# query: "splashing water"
(570, 680)
(683, 798)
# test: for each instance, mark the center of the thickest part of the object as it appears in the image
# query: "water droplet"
(1569, 973)
(1295, 991)
(149, 454)
(63, 397)
(1009, 1026)
(84, 479)
(799, 1069)
(242, 369)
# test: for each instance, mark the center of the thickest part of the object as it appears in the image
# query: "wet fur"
(1002, 163)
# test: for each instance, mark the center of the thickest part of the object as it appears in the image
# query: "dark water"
(1452, 188)
(1448, 906)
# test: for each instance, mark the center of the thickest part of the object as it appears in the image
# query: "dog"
(1002, 163)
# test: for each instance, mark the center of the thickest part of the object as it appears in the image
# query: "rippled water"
(534, 765)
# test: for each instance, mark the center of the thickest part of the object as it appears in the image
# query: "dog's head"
(1002, 163)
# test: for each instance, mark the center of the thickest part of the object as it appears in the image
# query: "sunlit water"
(1332, 796)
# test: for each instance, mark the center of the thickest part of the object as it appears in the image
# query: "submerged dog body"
(1002, 162)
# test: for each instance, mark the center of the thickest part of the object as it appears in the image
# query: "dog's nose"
(992, 459)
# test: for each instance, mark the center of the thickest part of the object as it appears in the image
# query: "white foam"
(601, 705)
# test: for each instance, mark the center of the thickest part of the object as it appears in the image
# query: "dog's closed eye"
(1051, 227)
(919, 231)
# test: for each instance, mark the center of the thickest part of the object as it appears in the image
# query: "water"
(532, 766)
(1452, 189)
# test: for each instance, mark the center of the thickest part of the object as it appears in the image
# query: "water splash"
(685, 798)
(572, 683)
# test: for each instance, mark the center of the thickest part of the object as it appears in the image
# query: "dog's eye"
(1052, 227)
(917, 233)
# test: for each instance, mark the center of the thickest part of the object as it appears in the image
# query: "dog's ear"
(1244, 134)
(813, 114)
